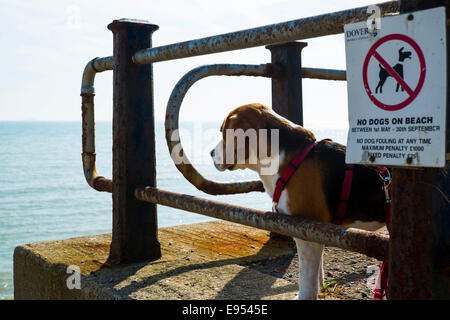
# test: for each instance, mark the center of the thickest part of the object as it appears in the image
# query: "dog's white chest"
(269, 182)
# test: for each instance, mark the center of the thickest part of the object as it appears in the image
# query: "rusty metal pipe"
(172, 132)
(324, 74)
(287, 89)
(97, 182)
(305, 28)
(134, 225)
(371, 244)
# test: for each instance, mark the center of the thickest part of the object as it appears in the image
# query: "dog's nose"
(212, 153)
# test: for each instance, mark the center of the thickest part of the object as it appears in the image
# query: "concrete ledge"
(200, 261)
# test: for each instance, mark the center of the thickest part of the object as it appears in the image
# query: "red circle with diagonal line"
(411, 92)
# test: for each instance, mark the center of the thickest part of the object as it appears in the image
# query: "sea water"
(44, 195)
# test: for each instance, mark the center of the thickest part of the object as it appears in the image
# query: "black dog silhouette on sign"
(383, 74)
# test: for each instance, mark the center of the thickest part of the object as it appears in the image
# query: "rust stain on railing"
(369, 243)
(94, 66)
(304, 28)
(324, 74)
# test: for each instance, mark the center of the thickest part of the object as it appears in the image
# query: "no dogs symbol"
(394, 72)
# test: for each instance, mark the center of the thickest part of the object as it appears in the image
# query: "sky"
(47, 44)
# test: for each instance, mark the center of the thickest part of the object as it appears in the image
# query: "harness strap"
(345, 195)
(381, 283)
(288, 173)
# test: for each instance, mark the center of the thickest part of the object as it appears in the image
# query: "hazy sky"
(46, 45)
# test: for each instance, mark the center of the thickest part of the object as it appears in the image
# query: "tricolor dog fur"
(313, 191)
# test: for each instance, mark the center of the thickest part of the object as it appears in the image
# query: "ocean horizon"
(44, 195)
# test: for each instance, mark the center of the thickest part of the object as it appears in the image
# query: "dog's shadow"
(250, 282)
(262, 279)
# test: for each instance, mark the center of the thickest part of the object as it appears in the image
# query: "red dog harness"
(383, 172)
(290, 170)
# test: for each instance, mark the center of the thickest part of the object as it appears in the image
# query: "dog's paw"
(303, 297)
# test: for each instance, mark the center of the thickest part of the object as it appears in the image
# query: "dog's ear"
(226, 122)
(401, 49)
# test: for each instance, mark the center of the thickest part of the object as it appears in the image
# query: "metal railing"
(134, 224)
(369, 243)
(305, 28)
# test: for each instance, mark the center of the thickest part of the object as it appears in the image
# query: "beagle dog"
(313, 190)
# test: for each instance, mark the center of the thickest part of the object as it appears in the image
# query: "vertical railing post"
(287, 86)
(287, 94)
(419, 251)
(134, 234)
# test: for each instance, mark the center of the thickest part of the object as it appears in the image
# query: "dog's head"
(248, 140)
(402, 55)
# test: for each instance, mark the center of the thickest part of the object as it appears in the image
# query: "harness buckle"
(385, 177)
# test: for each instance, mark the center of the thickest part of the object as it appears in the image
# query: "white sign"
(396, 80)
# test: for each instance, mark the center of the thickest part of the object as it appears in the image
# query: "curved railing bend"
(172, 119)
(94, 66)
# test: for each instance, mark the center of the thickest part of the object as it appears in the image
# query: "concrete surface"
(211, 260)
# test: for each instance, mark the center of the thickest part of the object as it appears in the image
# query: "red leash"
(382, 280)
(383, 172)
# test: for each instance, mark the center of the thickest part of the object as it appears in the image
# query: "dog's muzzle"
(218, 158)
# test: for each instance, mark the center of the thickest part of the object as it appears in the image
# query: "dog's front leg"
(309, 262)
(321, 276)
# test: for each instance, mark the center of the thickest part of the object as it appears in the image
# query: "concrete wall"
(200, 261)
